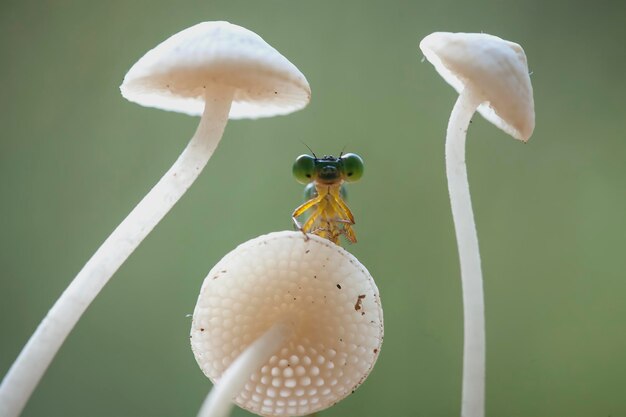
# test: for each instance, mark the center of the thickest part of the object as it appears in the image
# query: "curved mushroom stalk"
(36, 356)
(491, 76)
(329, 318)
(215, 69)
(473, 390)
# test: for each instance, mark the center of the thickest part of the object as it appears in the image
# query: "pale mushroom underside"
(316, 287)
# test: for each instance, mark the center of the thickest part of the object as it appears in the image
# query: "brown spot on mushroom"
(375, 351)
(216, 276)
(359, 302)
(202, 329)
(307, 251)
(338, 286)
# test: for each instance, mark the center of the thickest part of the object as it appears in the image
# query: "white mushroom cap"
(317, 288)
(493, 68)
(174, 74)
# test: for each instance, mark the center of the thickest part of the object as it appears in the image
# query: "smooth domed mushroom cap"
(493, 68)
(314, 286)
(173, 75)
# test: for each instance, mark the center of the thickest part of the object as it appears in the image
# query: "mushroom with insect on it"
(286, 326)
(491, 76)
(214, 69)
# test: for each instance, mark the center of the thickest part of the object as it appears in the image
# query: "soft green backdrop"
(75, 157)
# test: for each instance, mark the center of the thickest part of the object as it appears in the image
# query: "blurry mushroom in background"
(215, 69)
(491, 76)
(286, 326)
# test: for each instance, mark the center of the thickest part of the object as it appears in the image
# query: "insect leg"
(302, 208)
(345, 215)
(344, 208)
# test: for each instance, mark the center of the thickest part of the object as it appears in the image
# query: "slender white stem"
(220, 400)
(473, 391)
(32, 362)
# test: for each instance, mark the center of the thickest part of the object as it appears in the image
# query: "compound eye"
(304, 168)
(352, 167)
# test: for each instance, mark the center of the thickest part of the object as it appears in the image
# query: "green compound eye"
(303, 169)
(352, 167)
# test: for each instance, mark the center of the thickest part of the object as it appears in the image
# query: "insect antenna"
(310, 150)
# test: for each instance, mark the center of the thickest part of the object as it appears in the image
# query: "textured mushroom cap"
(493, 68)
(319, 289)
(172, 76)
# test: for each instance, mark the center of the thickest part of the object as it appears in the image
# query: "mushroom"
(286, 326)
(215, 69)
(491, 76)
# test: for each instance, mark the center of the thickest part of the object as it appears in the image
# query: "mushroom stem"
(220, 400)
(473, 391)
(32, 362)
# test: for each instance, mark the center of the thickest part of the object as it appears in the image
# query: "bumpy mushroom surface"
(315, 288)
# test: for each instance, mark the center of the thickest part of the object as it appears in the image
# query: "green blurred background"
(75, 157)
